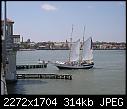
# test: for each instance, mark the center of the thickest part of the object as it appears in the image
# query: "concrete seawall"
(3, 83)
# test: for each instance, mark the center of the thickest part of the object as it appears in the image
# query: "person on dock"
(41, 61)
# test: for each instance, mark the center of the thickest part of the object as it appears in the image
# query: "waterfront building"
(11, 39)
(9, 50)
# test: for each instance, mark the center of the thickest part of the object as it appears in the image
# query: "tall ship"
(78, 59)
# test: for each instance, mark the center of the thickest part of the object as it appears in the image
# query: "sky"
(52, 20)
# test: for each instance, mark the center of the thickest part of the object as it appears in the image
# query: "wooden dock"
(31, 66)
(44, 76)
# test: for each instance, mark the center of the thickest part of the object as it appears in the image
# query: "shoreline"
(63, 49)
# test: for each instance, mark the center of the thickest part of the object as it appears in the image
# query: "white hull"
(66, 66)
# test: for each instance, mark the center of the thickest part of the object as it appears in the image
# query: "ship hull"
(64, 66)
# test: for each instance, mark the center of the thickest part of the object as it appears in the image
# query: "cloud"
(48, 7)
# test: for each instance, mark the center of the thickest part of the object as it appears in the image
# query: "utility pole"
(4, 38)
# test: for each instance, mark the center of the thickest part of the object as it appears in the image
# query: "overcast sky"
(52, 20)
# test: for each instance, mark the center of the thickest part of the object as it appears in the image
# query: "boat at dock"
(42, 62)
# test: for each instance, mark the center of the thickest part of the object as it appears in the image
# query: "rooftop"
(8, 20)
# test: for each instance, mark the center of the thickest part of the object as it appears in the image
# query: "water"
(107, 77)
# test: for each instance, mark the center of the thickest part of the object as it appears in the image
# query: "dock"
(44, 76)
(31, 66)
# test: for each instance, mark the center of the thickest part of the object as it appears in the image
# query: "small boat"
(78, 59)
(42, 62)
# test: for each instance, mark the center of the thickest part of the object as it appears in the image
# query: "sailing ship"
(79, 59)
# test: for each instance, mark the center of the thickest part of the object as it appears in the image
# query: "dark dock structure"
(44, 76)
(31, 66)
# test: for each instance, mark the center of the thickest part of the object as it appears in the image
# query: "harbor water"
(108, 76)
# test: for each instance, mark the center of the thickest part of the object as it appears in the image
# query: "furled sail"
(87, 53)
(75, 50)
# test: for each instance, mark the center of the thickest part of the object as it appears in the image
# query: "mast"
(70, 43)
(82, 45)
(83, 34)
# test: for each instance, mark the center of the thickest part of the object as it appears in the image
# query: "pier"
(31, 66)
(44, 76)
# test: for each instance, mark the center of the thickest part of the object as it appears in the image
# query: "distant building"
(109, 45)
(22, 39)
(16, 39)
(28, 41)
